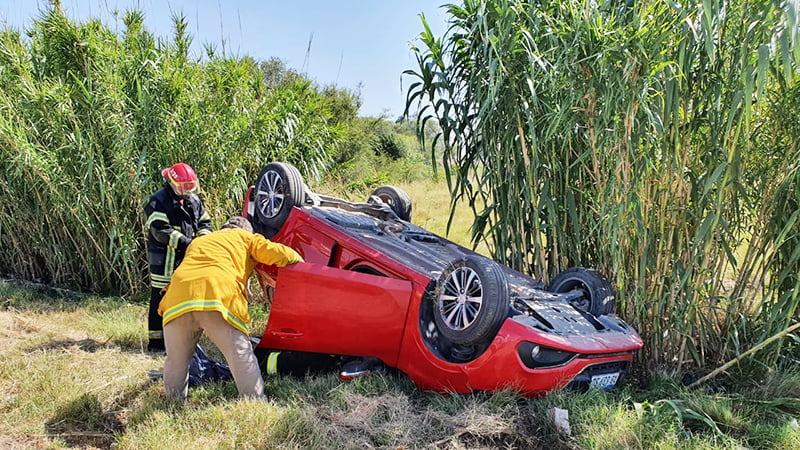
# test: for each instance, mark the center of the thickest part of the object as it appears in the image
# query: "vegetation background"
(89, 119)
(655, 140)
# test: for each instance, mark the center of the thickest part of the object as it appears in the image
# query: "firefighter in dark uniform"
(175, 215)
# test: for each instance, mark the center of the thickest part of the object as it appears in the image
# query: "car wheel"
(279, 187)
(472, 301)
(597, 294)
(397, 199)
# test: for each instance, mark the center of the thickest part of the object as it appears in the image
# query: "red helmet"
(182, 178)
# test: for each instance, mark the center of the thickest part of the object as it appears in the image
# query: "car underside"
(376, 286)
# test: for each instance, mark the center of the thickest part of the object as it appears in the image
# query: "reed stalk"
(652, 140)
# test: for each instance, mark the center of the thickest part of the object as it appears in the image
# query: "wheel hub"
(459, 303)
(270, 195)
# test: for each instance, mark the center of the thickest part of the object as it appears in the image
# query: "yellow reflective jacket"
(213, 275)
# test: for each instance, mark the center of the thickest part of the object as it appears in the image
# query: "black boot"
(156, 345)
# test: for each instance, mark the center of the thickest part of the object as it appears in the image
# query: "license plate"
(605, 381)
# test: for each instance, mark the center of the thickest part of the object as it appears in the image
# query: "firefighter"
(208, 294)
(175, 216)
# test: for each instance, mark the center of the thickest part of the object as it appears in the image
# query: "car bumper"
(602, 360)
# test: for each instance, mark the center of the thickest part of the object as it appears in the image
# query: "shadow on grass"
(83, 423)
(27, 296)
(87, 345)
(86, 423)
(134, 345)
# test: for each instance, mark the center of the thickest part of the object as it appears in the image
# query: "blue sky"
(353, 43)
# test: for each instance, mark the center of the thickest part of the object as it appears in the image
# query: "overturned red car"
(375, 285)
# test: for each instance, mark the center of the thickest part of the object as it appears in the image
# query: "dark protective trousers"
(155, 328)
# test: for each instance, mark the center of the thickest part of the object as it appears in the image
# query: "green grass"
(73, 374)
(92, 114)
(431, 201)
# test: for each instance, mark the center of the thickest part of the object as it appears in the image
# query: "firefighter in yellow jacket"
(207, 293)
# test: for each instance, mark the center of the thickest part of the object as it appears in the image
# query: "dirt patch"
(15, 326)
(23, 442)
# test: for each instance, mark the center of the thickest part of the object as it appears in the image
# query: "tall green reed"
(88, 119)
(624, 136)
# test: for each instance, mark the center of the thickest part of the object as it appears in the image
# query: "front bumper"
(502, 367)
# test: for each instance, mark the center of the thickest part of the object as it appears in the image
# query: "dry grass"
(62, 385)
(431, 204)
(72, 377)
(430, 201)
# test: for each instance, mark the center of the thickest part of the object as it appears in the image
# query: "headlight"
(538, 356)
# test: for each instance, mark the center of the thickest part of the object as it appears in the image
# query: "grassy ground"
(431, 205)
(430, 210)
(73, 375)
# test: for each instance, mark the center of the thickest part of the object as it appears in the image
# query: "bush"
(90, 119)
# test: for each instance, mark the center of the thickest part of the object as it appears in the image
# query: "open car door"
(323, 309)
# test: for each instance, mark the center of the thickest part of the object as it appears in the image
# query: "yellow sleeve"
(267, 252)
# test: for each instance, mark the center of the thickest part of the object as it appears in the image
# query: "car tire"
(598, 295)
(279, 187)
(397, 199)
(471, 301)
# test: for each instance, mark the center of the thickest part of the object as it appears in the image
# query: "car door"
(323, 309)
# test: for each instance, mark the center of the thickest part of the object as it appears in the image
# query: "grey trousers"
(181, 336)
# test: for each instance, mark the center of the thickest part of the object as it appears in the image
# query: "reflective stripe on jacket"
(213, 275)
(171, 223)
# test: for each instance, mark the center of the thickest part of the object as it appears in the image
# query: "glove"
(295, 258)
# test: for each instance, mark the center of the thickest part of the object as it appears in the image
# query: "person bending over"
(207, 293)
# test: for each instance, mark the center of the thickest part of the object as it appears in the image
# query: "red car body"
(366, 289)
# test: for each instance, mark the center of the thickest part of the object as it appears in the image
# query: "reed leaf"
(90, 117)
(652, 140)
